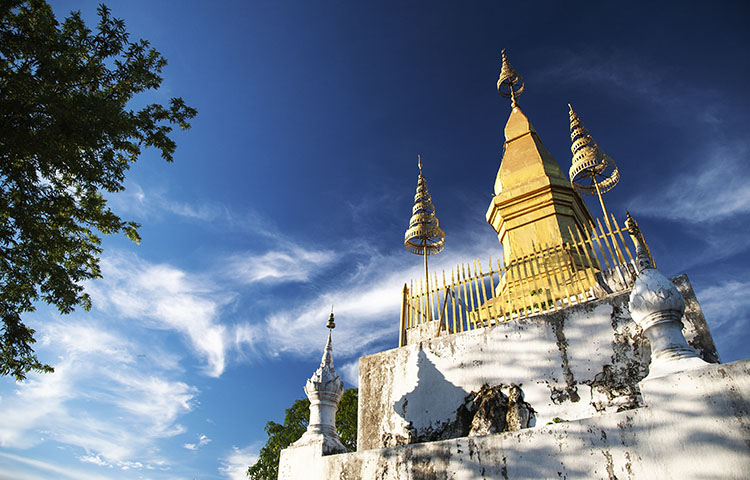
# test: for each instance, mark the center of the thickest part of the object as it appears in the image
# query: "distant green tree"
(346, 418)
(68, 134)
(296, 420)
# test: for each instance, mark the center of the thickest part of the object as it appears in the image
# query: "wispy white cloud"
(130, 465)
(364, 313)
(234, 465)
(96, 399)
(717, 188)
(202, 211)
(290, 263)
(165, 297)
(247, 337)
(134, 200)
(46, 467)
(156, 204)
(94, 460)
(202, 441)
(350, 373)
(725, 306)
(167, 401)
(366, 302)
(630, 74)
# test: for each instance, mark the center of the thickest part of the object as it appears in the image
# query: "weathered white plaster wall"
(695, 425)
(576, 363)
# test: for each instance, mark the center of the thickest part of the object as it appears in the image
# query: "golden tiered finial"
(424, 236)
(592, 172)
(331, 324)
(509, 81)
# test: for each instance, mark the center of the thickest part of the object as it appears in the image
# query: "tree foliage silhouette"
(68, 134)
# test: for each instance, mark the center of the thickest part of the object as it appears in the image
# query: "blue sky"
(294, 187)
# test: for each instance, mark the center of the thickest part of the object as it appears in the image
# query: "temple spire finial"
(331, 323)
(419, 162)
(510, 84)
(424, 235)
(324, 390)
(643, 254)
(592, 172)
(327, 359)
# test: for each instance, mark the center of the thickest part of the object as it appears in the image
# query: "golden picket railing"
(596, 262)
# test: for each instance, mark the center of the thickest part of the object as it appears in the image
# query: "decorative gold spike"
(402, 321)
(510, 84)
(424, 235)
(637, 237)
(331, 324)
(592, 172)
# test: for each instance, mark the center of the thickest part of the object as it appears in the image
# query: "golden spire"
(331, 324)
(424, 236)
(509, 81)
(592, 172)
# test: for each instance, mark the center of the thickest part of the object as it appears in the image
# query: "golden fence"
(596, 262)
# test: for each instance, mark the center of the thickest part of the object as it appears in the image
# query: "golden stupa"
(534, 203)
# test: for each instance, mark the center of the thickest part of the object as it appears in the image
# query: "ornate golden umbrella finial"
(331, 324)
(424, 236)
(592, 172)
(510, 84)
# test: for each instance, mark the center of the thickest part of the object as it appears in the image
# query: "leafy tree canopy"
(296, 420)
(67, 136)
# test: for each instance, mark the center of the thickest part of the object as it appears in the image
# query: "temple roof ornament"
(592, 172)
(325, 377)
(510, 84)
(324, 390)
(657, 307)
(424, 235)
(643, 254)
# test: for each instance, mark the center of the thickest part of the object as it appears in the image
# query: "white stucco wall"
(695, 425)
(582, 361)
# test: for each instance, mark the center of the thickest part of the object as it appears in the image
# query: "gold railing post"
(402, 329)
(622, 239)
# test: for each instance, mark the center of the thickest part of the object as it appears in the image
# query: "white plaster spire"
(657, 307)
(324, 389)
(327, 360)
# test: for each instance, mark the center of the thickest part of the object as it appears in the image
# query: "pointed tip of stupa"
(518, 124)
(510, 84)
